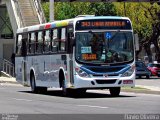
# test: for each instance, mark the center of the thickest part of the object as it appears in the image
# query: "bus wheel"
(34, 89)
(115, 91)
(65, 90)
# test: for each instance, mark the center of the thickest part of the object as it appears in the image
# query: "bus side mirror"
(24, 48)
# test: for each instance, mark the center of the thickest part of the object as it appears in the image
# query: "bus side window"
(24, 44)
(40, 42)
(29, 44)
(36, 42)
(55, 41)
(63, 40)
(19, 45)
(47, 41)
(32, 43)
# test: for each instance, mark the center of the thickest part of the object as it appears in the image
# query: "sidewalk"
(8, 80)
(152, 84)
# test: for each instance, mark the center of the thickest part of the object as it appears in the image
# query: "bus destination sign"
(103, 24)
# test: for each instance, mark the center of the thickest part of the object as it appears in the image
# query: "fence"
(7, 67)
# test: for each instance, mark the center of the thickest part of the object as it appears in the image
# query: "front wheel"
(65, 90)
(115, 91)
(147, 76)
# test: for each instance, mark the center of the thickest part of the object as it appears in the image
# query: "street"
(16, 99)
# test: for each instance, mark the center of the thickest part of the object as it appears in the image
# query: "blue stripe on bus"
(53, 25)
(124, 69)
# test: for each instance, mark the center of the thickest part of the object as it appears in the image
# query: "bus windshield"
(104, 47)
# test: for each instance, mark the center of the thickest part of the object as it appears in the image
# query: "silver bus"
(92, 52)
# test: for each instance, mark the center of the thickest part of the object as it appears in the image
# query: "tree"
(153, 13)
(102, 9)
(144, 19)
(66, 10)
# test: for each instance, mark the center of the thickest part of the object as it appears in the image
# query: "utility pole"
(51, 10)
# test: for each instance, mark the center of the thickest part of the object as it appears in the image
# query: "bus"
(87, 52)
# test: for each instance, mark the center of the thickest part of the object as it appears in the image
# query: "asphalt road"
(16, 99)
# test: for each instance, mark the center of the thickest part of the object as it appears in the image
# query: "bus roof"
(66, 22)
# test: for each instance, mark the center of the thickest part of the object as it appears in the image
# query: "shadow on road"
(87, 95)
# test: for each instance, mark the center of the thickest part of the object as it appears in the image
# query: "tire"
(71, 92)
(36, 89)
(147, 76)
(139, 77)
(115, 91)
(65, 91)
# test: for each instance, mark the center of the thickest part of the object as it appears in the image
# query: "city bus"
(87, 52)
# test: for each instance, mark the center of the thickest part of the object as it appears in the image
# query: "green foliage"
(45, 7)
(136, 13)
(102, 9)
(66, 10)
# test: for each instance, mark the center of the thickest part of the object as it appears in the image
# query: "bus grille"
(109, 75)
(105, 69)
(106, 81)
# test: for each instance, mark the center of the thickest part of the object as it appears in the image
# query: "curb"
(152, 88)
(12, 82)
(8, 80)
(143, 90)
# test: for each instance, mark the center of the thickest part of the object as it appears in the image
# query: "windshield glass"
(104, 47)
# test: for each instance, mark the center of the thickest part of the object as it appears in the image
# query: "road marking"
(92, 106)
(22, 99)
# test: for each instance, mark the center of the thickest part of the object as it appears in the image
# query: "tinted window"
(19, 44)
(40, 42)
(55, 41)
(47, 41)
(63, 39)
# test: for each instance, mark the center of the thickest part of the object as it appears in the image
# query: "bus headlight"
(81, 73)
(128, 72)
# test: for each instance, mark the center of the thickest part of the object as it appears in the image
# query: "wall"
(5, 41)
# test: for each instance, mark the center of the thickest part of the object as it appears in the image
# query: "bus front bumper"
(102, 82)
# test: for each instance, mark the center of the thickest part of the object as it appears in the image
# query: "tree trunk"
(148, 51)
(157, 51)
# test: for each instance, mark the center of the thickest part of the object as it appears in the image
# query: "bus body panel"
(46, 69)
